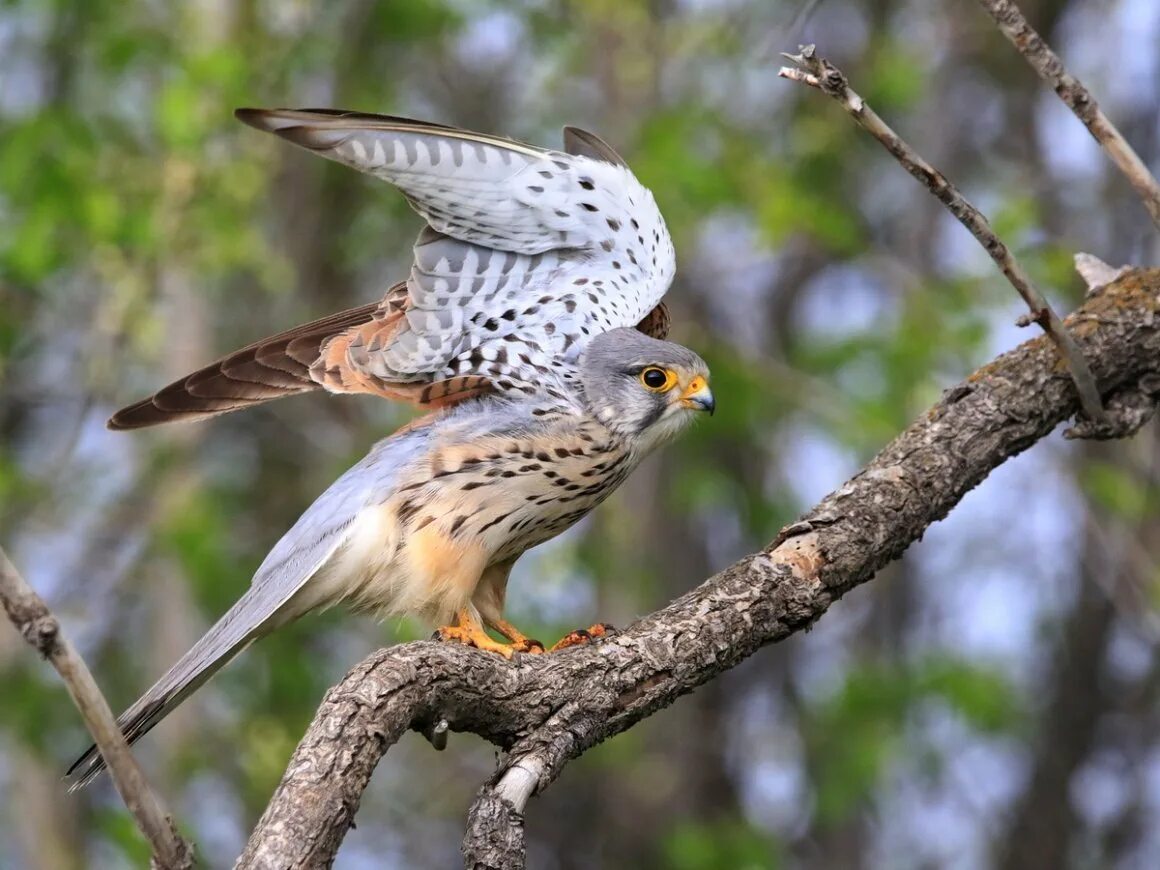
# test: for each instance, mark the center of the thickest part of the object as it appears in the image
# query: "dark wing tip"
(85, 769)
(136, 416)
(85, 758)
(133, 729)
(259, 119)
(585, 144)
(147, 413)
(314, 138)
(272, 120)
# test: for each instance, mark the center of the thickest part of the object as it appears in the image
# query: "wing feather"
(267, 369)
(310, 547)
(528, 253)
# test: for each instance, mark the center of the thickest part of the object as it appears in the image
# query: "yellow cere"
(695, 386)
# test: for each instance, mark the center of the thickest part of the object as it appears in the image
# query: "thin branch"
(32, 618)
(1078, 98)
(817, 72)
(495, 823)
(545, 710)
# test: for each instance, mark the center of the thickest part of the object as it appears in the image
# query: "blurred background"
(990, 700)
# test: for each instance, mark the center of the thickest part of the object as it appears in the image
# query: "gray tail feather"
(228, 637)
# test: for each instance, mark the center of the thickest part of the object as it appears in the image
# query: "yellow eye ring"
(657, 380)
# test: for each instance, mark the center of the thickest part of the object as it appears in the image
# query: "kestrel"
(517, 323)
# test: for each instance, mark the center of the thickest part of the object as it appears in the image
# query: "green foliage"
(722, 845)
(1118, 490)
(197, 535)
(119, 831)
(894, 81)
(36, 706)
(863, 730)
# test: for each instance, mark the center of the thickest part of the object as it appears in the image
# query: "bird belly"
(436, 574)
(423, 553)
(360, 573)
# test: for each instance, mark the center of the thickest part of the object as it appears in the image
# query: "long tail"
(268, 369)
(247, 620)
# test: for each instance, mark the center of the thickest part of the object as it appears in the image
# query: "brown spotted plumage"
(432, 520)
(528, 254)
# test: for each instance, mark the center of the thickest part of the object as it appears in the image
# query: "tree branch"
(545, 710)
(1078, 98)
(817, 72)
(32, 618)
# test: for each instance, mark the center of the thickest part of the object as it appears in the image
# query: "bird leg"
(581, 636)
(520, 641)
(469, 631)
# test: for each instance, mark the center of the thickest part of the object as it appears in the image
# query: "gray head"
(641, 387)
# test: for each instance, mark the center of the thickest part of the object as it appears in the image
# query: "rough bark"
(545, 710)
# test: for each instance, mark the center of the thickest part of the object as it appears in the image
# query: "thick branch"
(817, 72)
(40, 628)
(1078, 98)
(548, 709)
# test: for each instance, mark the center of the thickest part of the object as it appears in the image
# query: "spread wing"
(527, 254)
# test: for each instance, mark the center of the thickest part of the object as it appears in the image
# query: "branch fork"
(815, 71)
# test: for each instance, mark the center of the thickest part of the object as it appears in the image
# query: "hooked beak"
(698, 396)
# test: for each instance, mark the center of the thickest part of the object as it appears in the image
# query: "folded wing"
(313, 547)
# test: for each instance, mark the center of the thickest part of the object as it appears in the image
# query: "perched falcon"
(527, 254)
(524, 298)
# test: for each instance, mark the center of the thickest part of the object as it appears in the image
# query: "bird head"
(643, 388)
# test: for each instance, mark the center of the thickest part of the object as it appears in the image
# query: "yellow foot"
(476, 637)
(520, 641)
(468, 631)
(581, 636)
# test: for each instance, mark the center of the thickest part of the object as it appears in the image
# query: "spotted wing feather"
(471, 186)
(527, 255)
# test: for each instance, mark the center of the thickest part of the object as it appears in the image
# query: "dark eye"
(655, 378)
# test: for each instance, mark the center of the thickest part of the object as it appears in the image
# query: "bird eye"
(657, 379)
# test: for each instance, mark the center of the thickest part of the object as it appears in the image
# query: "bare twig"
(1078, 98)
(495, 823)
(546, 710)
(40, 628)
(817, 72)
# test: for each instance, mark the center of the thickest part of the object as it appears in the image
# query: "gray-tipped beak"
(698, 396)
